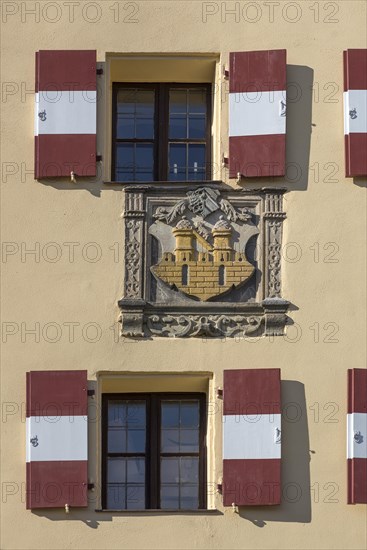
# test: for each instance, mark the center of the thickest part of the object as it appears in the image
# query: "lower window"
(153, 449)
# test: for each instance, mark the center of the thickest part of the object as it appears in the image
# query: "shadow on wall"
(299, 125)
(295, 473)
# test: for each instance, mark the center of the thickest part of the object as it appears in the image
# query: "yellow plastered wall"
(59, 302)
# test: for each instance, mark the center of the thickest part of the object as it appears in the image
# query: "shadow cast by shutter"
(295, 470)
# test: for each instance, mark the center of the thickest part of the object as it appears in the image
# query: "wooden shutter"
(355, 112)
(257, 113)
(65, 113)
(357, 436)
(56, 439)
(251, 437)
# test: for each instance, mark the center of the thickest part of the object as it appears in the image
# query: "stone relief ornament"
(190, 263)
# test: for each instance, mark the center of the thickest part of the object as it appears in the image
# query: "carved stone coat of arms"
(202, 261)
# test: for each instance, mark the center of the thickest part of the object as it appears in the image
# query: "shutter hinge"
(91, 393)
(219, 393)
(90, 486)
(225, 161)
(99, 71)
(98, 158)
(225, 73)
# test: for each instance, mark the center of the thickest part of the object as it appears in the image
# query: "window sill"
(156, 183)
(160, 512)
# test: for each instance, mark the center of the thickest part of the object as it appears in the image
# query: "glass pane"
(170, 470)
(170, 414)
(136, 441)
(116, 495)
(125, 127)
(116, 470)
(197, 127)
(126, 100)
(136, 416)
(136, 470)
(170, 497)
(178, 101)
(116, 440)
(145, 102)
(197, 168)
(144, 162)
(189, 497)
(177, 126)
(144, 128)
(170, 441)
(189, 441)
(135, 497)
(197, 101)
(189, 470)
(177, 161)
(116, 414)
(189, 414)
(125, 162)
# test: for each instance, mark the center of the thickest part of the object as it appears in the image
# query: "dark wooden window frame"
(153, 444)
(161, 122)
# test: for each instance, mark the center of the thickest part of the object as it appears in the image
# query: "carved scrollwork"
(132, 258)
(202, 325)
(274, 258)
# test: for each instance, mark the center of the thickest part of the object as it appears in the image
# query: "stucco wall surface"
(68, 293)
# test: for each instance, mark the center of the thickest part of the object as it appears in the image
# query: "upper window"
(154, 451)
(161, 132)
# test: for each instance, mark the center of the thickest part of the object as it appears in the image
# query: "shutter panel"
(65, 113)
(355, 112)
(257, 113)
(251, 437)
(357, 436)
(56, 439)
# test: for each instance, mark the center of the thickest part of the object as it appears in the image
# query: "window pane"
(144, 128)
(170, 414)
(126, 100)
(135, 497)
(177, 161)
(136, 470)
(116, 496)
(116, 441)
(189, 497)
(197, 101)
(125, 162)
(144, 161)
(189, 470)
(170, 441)
(170, 496)
(170, 470)
(136, 441)
(197, 127)
(125, 126)
(178, 101)
(145, 102)
(116, 414)
(177, 126)
(197, 168)
(189, 414)
(136, 415)
(189, 441)
(116, 470)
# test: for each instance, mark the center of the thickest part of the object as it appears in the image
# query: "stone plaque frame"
(152, 308)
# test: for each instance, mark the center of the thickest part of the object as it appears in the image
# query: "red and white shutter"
(355, 112)
(65, 113)
(251, 437)
(357, 436)
(56, 439)
(257, 113)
